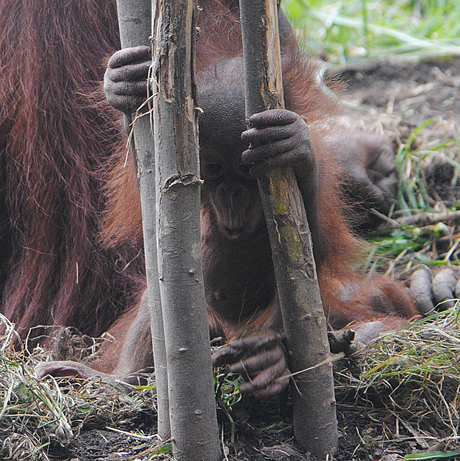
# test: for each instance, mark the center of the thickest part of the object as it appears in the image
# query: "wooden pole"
(315, 423)
(135, 22)
(191, 392)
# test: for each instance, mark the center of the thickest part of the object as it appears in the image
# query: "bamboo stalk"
(315, 423)
(191, 392)
(135, 23)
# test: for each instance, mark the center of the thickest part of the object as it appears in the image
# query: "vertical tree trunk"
(191, 394)
(135, 22)
(315, 424)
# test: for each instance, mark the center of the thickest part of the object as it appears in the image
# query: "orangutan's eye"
(213, 168)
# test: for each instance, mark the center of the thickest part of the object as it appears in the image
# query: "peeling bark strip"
(134, 18)
(191, 392)
(315, 423)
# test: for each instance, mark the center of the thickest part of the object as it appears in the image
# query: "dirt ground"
(393, 98)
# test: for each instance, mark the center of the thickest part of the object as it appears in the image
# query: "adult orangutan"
(56, 135)
(238, 273)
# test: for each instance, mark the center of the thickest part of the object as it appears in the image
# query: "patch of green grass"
(418, 231)
(412, 195)
(351, 30)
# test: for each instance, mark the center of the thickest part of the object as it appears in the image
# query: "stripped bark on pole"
(315, 423)
(135, 22)
(191, 392)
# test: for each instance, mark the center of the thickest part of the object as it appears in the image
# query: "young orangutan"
(238, 272)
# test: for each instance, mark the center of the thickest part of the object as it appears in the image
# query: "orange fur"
(56, 133)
